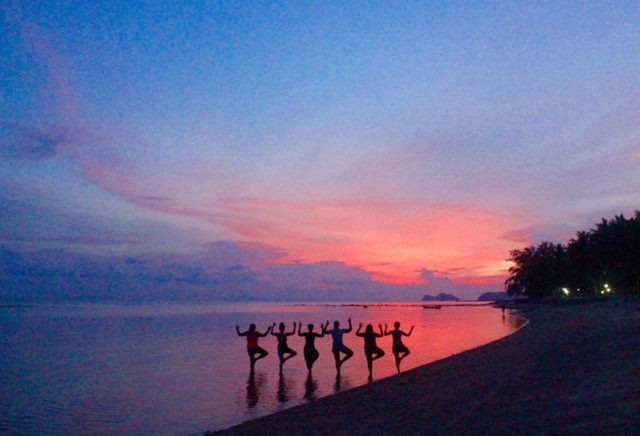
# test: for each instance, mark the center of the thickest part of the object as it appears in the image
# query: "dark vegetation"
(600, 262)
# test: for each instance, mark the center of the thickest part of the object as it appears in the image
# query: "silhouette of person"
(253, 349)
(338, 346)
(371, 350)
(400, 351)
(311, 354)
(283, 348)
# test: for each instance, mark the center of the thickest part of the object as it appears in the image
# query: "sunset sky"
(396, 145)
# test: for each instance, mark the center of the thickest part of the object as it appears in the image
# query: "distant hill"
(440, 297)
(494, 296)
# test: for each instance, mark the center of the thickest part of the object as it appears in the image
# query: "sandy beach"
(574, 369)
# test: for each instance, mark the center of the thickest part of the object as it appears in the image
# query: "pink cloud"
(390, 240)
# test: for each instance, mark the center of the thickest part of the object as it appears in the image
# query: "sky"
(297, 150)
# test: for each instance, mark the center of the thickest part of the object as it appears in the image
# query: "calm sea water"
(181, 368)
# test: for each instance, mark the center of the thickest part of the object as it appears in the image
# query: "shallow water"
(181, 368)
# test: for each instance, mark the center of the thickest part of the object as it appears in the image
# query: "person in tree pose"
(311, 354)
(253, 349)
(371, 349)
(338, 346)
(400, 351)
(283, 348)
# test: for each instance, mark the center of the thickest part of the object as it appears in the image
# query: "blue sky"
(411, 144)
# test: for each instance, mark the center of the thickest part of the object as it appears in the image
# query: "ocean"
(176, 368)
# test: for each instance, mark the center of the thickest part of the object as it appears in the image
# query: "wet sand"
(574, 369)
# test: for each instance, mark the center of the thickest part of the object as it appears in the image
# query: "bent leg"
(348, 354)
(309, 357)
(292, 353)
(377, 354)
(251, 361)
(369, 356)
(259, 353)
(281, 362)
(255, 355)
(315, 354)
(289, 354)
(336, 357)
(398, 360)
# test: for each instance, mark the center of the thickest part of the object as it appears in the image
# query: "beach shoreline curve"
(570, 370)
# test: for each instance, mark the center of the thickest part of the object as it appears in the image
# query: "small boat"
(432, 307)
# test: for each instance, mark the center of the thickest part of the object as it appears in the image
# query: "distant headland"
(440, 297)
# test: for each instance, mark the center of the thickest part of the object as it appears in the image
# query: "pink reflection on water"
(181, 368)
(438, 333)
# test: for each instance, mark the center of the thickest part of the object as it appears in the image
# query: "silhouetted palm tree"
(538, 272)
(606, 257)
(616, 243)
(584, 270)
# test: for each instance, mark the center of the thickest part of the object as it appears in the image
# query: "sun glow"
(391, 241)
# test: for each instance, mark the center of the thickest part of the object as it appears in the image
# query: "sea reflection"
(160, 355)
(254, 387)
(286, 387)
(310, 387)
(341, 383)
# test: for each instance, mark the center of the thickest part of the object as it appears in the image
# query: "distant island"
(440, 297)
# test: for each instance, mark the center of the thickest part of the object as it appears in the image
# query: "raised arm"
(262, 335)
(410, 330)
(324, 328)
(240, 333)
(272, 328)
(358, 331)
(385, 330)
(299, 328)
(350, 327)
(292, 331)
(381, 334)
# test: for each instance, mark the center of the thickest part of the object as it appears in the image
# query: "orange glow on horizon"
(391, 241)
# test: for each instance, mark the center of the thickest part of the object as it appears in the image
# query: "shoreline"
(572, 369)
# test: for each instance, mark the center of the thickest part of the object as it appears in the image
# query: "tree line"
(603, 260)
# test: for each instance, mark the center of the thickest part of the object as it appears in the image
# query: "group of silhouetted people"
(341, 353)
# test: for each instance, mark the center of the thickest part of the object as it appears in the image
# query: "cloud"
(77, 240)
(348, 194)
(239, 253)
(51, 274)
(156, 198)
(19, 142)
(389, 239)
(442, 284)
(438, 282)
(520, 236)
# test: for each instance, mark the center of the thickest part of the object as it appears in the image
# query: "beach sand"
(574, 369)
